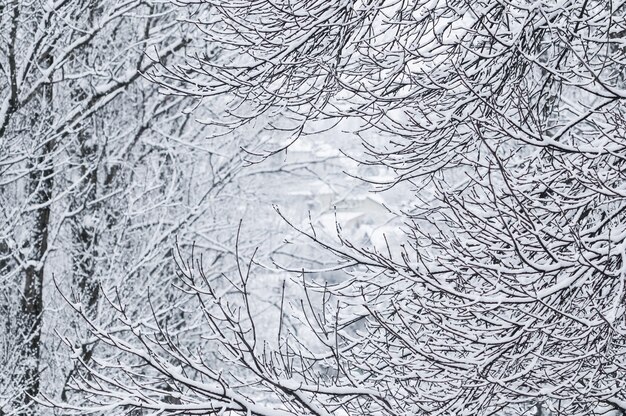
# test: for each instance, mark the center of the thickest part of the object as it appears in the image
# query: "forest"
(313, 207)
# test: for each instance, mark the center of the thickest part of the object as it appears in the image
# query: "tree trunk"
(40, 187)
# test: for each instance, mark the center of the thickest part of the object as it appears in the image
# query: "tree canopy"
(505, 119)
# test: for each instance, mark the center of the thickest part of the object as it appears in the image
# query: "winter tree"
(100, 176)
(64, 69)
(507, 119)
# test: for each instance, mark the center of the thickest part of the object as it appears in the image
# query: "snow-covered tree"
(100, 176)
(65, 64)
(508, 119)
